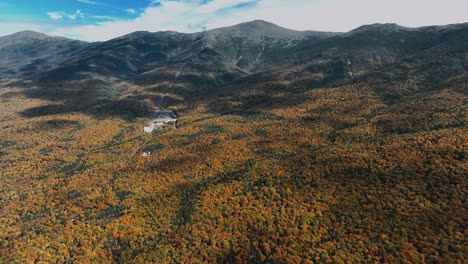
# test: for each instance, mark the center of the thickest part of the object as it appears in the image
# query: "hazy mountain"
(28, 52)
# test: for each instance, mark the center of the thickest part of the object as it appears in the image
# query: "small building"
(147, 129)
(161, 118)
(164, 117)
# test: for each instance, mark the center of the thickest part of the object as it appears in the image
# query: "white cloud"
(130, 10)
(87, 2)
(104, 17)
(61, 15)
(167, 16)
(325, 15)
(55, 15)
(217, 5)
(78, 13)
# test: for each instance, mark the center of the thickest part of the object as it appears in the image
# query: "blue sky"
(71, 12)
(99, 20)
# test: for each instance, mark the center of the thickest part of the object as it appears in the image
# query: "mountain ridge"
(203, 61)
(244, 46)
(258, 22)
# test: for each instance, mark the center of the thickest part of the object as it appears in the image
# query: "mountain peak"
(261, 26)
(30, 35)
(378, 27)
(258, 30)
(258, 23)
(27, 34)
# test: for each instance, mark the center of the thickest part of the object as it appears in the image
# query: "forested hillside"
(322, 161)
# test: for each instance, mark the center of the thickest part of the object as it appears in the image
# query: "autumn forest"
(290, 147)
(327, 175)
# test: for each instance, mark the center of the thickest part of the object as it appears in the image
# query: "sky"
(100, 20)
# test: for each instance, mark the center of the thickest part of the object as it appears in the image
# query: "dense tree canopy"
(332, 175)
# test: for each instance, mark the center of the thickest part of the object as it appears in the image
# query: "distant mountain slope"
(259, 30)
(251, 53)
(233, 51)
(29, 52)
(230, 53)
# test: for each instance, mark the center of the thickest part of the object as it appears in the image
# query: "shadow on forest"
(101, 99)
(91, 97)
(57, 123)
(190, 192)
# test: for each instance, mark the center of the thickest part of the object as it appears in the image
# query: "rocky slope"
(255, 52)
(25, 53)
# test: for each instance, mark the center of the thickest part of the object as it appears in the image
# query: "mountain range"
(250, 52)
